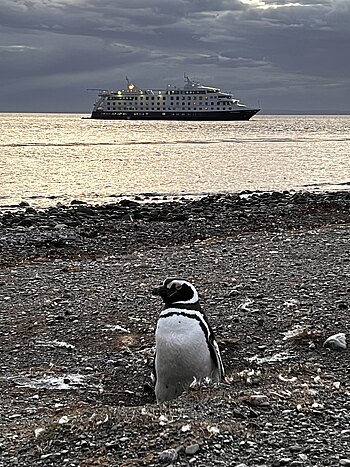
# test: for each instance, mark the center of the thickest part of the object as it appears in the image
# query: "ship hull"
(244, 114)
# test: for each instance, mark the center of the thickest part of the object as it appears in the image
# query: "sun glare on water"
(266, 5)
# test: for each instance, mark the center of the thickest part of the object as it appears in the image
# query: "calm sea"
(51, 158)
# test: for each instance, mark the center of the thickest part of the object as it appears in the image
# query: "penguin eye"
(178, 286)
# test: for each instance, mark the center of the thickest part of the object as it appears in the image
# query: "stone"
(169, 455)
(336, 342)
(192, 449)
(259, 400)
(77, 202)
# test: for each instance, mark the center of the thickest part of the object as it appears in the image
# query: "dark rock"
(128, 203)
(77, 202)
(169, 455)
(31, 210)
(26, 222)
(86, 210)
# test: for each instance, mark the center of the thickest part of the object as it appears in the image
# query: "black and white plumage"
(186, 349)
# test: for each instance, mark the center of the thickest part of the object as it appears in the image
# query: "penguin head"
(177, 291)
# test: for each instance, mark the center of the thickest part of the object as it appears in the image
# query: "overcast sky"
(279, 54)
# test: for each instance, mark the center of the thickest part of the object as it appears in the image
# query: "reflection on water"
(46, 158)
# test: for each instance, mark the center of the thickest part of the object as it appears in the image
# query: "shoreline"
(160, 197)
(78, 323)
(82, 229)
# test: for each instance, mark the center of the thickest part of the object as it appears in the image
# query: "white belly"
(182, 355)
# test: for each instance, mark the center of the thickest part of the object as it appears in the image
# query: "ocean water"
(47, 159)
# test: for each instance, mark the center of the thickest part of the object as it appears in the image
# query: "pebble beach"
(78, 322)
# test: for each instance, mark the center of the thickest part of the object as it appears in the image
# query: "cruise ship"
(192, 102)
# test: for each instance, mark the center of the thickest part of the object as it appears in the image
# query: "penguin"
(186, 349)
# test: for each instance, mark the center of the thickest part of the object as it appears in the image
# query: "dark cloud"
(286, 54)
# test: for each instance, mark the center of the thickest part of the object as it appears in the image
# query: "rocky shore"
(78, 320)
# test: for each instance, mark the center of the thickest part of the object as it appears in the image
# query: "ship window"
(177, 98)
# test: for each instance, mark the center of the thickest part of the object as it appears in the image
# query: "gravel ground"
(78, 321)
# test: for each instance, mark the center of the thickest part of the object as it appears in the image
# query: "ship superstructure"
(192, 102)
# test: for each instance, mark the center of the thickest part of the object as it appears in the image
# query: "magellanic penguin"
(186, 349)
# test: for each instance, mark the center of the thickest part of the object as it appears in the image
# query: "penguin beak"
(161, 291)
(155, 291)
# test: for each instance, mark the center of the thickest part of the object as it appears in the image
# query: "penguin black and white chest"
(186, 349)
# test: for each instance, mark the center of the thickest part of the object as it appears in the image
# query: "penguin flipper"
(153, 372)
(216, 356)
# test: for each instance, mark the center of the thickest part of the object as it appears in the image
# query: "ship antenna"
(127, 79)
